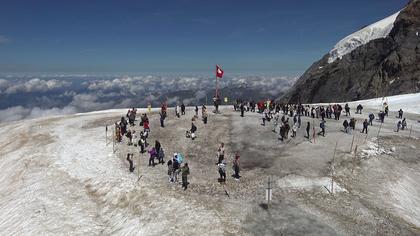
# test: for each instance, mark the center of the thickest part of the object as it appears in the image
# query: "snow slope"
(376, 30)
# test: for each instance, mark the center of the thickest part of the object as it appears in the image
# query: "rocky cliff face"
(381, 67)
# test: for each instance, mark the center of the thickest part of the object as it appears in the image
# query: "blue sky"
(179, 36)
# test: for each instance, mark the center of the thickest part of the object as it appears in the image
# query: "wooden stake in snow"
(332, 168)
(352, 141)
(113, 140)
(409, 135)
(138, 168)
(354, 158)
(106, 135)
(377, 137)
(313, 129)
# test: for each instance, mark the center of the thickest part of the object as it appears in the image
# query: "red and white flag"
(219, 72)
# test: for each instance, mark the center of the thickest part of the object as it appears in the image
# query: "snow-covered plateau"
(60, 176)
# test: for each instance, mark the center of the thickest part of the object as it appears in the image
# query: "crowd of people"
(284, 117)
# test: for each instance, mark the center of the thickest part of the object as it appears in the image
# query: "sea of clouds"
(23, 97)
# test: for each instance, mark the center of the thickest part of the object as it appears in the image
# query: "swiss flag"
(219, 72)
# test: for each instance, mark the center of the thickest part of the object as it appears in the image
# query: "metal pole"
(409, 135)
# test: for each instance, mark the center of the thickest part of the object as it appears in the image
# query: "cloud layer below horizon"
(29, 97)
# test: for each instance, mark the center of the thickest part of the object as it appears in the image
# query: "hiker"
(221, 153)
(352, 124)
(236, 167)
(403, 124)
(177, 108)
(182, 109)
(196, 111)
(193, 130)
(204, 116)
(146, 126)
(381, 116)
(282, 132)
(185, 171)
(365, 126)
(157, 146)
(222, 171)
(400, 114)
(276, 122)
(300, 121)
(130, 160)
(386, 110)
(129, 135)
(346, 126)
(161, 156)
(347, 109)
(371, 118)
(294, 129)
(242, 107)
(398, 126)
(322, 126)
(162, 118)
(359, 109)
(152, 153)
(175, 168)
(308, 127)
(142, 142)
(170, 170)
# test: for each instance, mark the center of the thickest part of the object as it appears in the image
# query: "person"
(221, 153)
(177, 111)
(175, 168)
(294, 129)
(222, 171)
(236, 167)
(359, 109)
(193, 130)
(398, 126)
(403, 124)
(185, 171)
(242, 107)
(204, 116)
(308, 127)
(347, 109)
(146, 126)
(157, 146)
(130, 161)
(400, 114)
(161, 156)
(322, 126)
(346, 126)
(170, 170)
(371, 118)
(129, 135)
(182, 109)
(352, 125)
(162, 118)
(276, 121)
(365, 126)
(386, 110)
(196, 111)
(142, 142)
(152, 153)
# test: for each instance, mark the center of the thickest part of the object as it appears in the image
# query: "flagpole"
(216, 84)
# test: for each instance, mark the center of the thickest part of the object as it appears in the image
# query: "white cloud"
(36, 85)
(19, 113)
